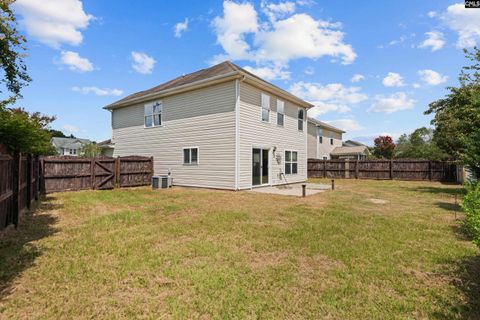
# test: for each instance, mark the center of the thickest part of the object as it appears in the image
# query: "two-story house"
(322, 139)
(69, 146)
(220, 127)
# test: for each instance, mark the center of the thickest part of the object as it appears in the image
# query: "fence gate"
(103, 175)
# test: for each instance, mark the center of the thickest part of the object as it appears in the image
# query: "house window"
(320, 135)
(73, 151)
(280, 112)
(325, 158)
(301, 116)
(265, 107)
(291, 162)
(331, 138)
(190, 155)
(153, 114)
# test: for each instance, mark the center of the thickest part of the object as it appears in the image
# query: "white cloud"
(142, 63)
(269, 72)
(392, 103)
(466, 22)
(70, 128)
(180, 28)
(416, 85)
(284, 36)
(432, 14)
(357, 78)
(277, 10)
(53, 22)
(98, 91)
(75, 62)
(331, 97)
(393, 79)
(432, 77)
(238, 19)
(435, 41)
(346, 124)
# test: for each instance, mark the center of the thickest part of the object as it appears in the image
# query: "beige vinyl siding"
(255, 133)
(312, 140)
(203, 118)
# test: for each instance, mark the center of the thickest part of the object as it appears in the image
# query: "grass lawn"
(191, 253)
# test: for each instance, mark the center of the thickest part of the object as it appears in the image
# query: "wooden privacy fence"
(19, 186)
(383, 169)
(73, 173)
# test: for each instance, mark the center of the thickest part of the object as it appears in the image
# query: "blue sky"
(370, 67)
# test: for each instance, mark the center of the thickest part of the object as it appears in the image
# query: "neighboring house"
(350, 152)
(107, 147)
(322, 139)
(325, 142)
(69, 146)
(220, 127)
(352, 143)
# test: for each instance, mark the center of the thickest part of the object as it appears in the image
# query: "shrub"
(471, 206)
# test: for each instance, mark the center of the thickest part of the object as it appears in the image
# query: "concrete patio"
(294, 189)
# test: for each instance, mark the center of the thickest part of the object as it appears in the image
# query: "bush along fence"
(19, 186)
(23, 178)
(383, 169)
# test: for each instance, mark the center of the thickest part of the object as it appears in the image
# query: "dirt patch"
(377, 201)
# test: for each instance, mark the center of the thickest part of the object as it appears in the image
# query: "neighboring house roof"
(352, 143)
(325, 125)
(70, 143)
(346, 151)
(106, 144)
(217, 73)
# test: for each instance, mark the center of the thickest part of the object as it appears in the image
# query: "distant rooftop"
(325, 125)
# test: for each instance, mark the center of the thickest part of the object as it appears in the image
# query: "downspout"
(237, 133)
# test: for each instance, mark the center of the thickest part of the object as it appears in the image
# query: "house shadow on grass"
(447, 189)
(17, 252)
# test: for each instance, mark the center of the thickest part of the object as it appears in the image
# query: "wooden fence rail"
(383, 169)
(73, 173)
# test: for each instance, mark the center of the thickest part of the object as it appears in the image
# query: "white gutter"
(175, 90)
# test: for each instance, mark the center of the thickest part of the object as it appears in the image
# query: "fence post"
(324, 168)
(36, 171)
(391, 169)
(43, 188)
(92, 173)
(117, 173)
(356, 169)
(29, 181)
(15, 188)
(430, 171)
(347, 169)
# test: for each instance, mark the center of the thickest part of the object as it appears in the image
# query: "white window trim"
(285, 161)
(303, 119)
(161, 113)
(282, 113)
(319, 135)
(198, 156)
(261, 107)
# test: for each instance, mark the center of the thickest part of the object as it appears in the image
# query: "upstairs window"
(320, 135)
(301, 116)
(291, 162)
(280, 112)
(265, 107)
(153, 114)
(331, 138)
(190, 155)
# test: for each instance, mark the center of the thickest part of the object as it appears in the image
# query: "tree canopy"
(26, 132)
(457, 116)
(12, 53)
(419, 145)
(384, 147)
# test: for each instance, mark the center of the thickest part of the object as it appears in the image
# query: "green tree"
(91, 150)
(12, 53)
(457, 116)
(384, 147)
(26, 132)
(472, 153)
(419, 145)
